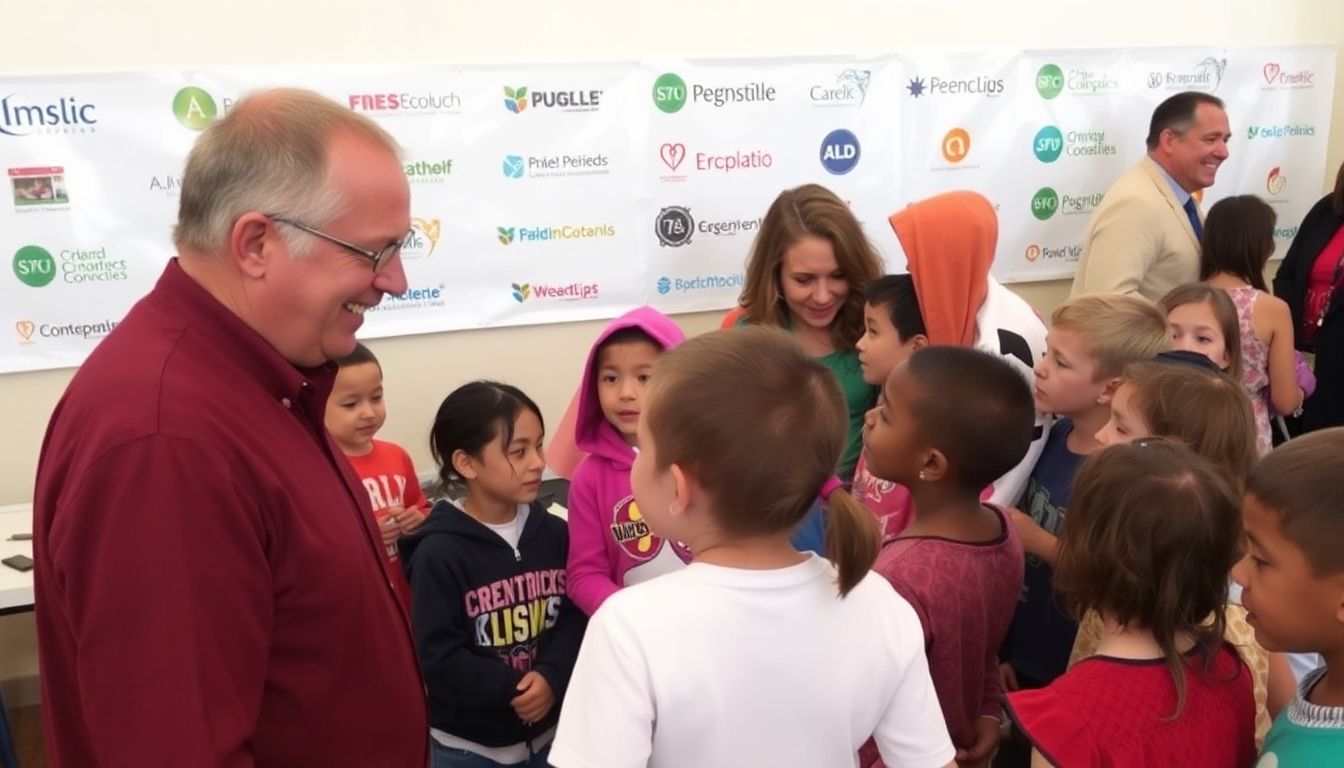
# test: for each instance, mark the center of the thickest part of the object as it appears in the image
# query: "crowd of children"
(1068, 547)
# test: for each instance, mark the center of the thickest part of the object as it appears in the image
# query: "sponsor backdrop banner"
(548, 193)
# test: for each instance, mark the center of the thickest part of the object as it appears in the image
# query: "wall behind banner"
(544, 360)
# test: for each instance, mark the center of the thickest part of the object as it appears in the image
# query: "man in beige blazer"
(1144, 237)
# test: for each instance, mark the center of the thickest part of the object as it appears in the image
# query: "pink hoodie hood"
(593, 433)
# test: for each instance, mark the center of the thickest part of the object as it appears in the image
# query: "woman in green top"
(808, 270)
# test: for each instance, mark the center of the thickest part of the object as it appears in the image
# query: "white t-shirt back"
(713, 666)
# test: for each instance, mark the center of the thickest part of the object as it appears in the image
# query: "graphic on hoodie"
(511, 614)
(633, 535)
(611, 545)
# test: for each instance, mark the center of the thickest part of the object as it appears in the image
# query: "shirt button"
(285, 402)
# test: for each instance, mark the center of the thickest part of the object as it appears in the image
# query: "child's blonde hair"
(1116, 329)
(1205, 409)
(761, 427)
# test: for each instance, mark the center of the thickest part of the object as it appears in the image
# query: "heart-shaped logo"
(1271, 71)
(430, 228)
(672, 154)
(25, 329)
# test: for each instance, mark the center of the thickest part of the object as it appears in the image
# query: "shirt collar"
(238, 343)
(1181, 195)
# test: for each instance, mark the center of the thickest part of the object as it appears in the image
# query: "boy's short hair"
(976, 408)
(897, 294)
(359, 356)
(1299, 480)
(1117, 329)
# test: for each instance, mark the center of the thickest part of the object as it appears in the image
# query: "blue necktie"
(1193, 213)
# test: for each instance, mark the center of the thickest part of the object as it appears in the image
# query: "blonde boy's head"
(1115, 329)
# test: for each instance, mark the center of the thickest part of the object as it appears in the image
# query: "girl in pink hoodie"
(610, 545)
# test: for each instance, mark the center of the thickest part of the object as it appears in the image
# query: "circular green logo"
(1049, 81)
(34, 266)
(194, 108)
(1044, 203)
(1048, 144)
(669, 92)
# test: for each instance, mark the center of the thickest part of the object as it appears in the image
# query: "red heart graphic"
(672, 154)
(1272, 70)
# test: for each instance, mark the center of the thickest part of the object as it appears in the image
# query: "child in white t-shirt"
(755, 654)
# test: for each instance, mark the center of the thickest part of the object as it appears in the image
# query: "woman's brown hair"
(1153, 532)
(1238, 239)
(1224, 311)
(797, 213)
(760, 426)
(1205, 409)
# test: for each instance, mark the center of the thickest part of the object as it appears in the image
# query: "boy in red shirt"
(355, 413)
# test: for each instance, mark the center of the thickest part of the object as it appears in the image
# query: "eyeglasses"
(380, 258)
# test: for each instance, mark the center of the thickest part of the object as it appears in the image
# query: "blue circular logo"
(664, 285)
(840, 152)
(1048, 144)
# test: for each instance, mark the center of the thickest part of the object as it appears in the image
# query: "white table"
(16, 588)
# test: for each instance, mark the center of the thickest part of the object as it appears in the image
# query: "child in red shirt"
(950, 421)
(1153, 532)
(355, 413)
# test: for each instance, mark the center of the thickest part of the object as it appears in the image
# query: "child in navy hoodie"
(496, 634)
(612, 544)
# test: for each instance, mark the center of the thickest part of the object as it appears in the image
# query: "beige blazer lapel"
(1160, 183)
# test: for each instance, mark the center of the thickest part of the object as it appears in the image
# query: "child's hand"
(1008, 678)
(388, 528)
(409, 519)
(987, 731)
(1032, 534)
(535, 700)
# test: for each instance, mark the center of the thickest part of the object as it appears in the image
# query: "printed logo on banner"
(1044, 203)
(674, 226)
(1049, 143)
(422, 240)
(840, 152)
(168, 184)
(1072, 205)
(1285, 233)
(670, 93)
(980, 85)
(428, 171)
(26, 329)
(672, 154)
(195, 108)
(1276, 184)
(1064, 253)
(66, 115)
(1284, 131)
(1206, 75)
(1051, 81)
(665, 285)
(518, 98)
(40, 188)
(554, 166)
(956, 145)
(508, 235)
(404, 103)
(413, 298)
(1276, 77)
(34, 266)
(849, 89)
(522, 292)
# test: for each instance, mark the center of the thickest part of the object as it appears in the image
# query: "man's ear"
(254, 243)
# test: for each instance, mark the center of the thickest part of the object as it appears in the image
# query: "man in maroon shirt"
(211, 589)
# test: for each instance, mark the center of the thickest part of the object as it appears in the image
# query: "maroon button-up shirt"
(211, 589)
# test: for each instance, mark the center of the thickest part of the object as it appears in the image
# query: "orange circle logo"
(956, 145)
(1033, 252)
